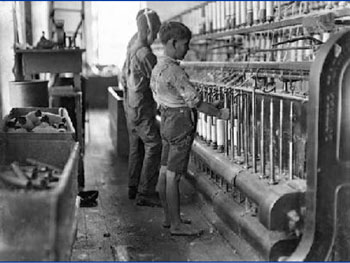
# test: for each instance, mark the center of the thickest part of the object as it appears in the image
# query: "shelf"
(288, 96)
(40, 51)
(296, 66)
(35, 61)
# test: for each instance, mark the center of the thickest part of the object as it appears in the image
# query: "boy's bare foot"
(187, 221)
(185, 230)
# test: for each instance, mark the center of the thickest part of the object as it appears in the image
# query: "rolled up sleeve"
(186, 90)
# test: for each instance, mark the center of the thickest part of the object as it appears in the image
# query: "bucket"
(29, 93)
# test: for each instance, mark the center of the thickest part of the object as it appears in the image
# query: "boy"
(178, 101)
(140, 110)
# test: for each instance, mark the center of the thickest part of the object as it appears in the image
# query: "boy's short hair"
(175, 30)
(147, 19)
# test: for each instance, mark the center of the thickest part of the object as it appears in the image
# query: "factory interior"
(269, 183)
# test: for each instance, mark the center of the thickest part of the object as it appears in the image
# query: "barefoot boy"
(178, 101)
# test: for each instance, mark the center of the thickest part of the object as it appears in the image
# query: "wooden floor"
(118, 230)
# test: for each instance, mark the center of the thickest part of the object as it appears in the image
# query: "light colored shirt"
(171, 85)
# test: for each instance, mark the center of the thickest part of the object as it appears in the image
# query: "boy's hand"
(224, 114)
(218, 104)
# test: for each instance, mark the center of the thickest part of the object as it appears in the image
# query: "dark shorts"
(177, 130)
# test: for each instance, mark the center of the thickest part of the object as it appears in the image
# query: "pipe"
(254, 128)
(273, 200)
(262, 138)
(246, 89)
(216, 162)
(291, 141)
(226, 129)
(243, 224)
(285, 66)
(272, 163)
(233, 125)
(246, 132)
(213, 133)
(281, 139)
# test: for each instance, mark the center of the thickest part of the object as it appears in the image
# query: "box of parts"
(38, 123)
(51, 125)
(38, 187)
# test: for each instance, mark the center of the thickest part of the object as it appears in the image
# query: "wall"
(90, 34)
(110, 25)
(40, 20)
(6, 54)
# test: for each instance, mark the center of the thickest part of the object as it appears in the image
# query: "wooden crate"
(39, 225)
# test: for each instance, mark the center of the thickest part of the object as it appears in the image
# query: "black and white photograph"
(174, 131)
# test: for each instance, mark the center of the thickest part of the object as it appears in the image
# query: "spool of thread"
(278, 14)
(204, 127)
(308, 52)
(268, 45)
(325, 36)
(223, 15)
(269, 11)
(220, 125)
(329, 5)
(237, 11)
(25, 123)
(262, 46)
(262, 11)
(209, 123)
(213, 133)
(305, 7)
(229, 130)
(252, 45)
(285, 36)
(235, 131)
(207, 18)
(34, 116)
(300, 52)
(256, 12)
(8, 178)
(279, 52)
(228, 14)
(243, 12)
(216, 14)
(202, 28)
(199, 125)
(233, 13)
(210, 20)
(249, 13)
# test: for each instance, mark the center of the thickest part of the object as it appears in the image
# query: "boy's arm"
(192, 99)
(211, 110)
